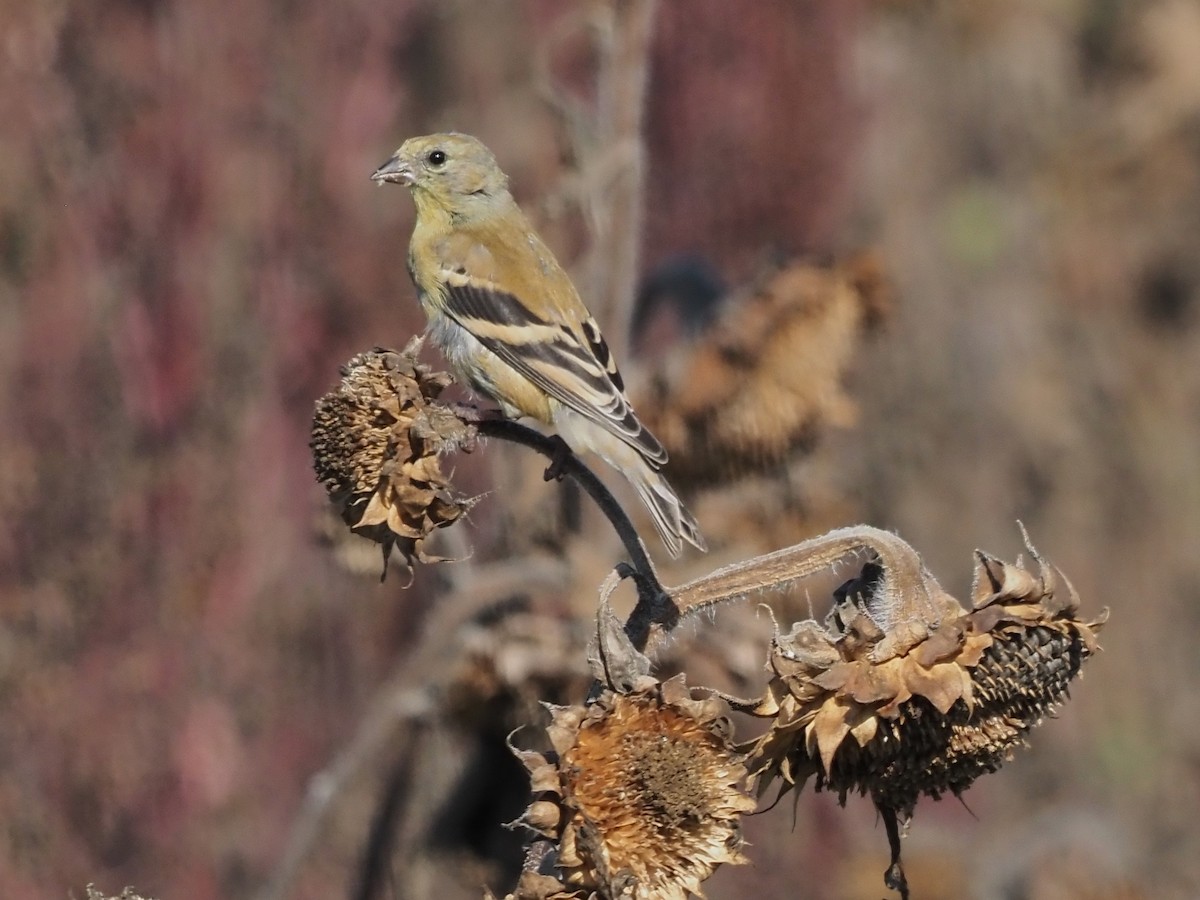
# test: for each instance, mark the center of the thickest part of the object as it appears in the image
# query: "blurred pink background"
(190, 247)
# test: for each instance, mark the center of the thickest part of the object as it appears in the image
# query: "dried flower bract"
(641, 795)
(376, 443)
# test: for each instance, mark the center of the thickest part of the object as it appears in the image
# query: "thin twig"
(572, 112)
(372, 868)
(607, 147)
(622, 84)
(654, 606)
(517, 433)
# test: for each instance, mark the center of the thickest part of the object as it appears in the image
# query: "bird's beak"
(394, 170)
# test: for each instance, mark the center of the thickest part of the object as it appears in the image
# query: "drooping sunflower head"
(928, 714)
(377, 442)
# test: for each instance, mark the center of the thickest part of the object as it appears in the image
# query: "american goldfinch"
(509, 321)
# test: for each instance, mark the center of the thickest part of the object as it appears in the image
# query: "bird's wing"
(570, 363)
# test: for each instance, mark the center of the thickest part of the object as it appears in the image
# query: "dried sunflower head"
(904, 693)
(641, 795)
(933, 713)
(376, 443)
(762, 384)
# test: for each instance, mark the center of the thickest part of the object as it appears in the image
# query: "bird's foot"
(558, 463)
(895, 880)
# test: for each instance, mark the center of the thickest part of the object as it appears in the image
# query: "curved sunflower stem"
(654, 606)
(906, 590)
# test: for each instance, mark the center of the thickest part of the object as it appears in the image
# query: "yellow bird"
(510, 322)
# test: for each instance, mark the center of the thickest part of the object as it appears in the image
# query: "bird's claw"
(895, 880)
(558, 463)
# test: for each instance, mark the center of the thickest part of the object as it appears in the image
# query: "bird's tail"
(674, 523)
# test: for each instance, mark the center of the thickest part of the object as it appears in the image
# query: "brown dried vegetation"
(641, 796)
(377, 443)
(900, 693)
(767, 378)
(859, 710)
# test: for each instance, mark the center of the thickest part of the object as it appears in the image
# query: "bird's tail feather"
(674, 523)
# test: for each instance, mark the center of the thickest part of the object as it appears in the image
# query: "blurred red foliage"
(190, 246)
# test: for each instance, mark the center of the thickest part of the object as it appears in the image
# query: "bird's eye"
(436, 158)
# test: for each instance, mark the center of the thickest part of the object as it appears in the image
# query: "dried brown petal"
(647, 793)
(376, 444)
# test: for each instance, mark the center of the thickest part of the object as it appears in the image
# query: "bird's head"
(448, 165)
